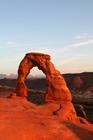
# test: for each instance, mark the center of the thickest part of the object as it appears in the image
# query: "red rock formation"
(76, 84)
(57, 90)
(22, 120)
(90, 88)
(79, 81)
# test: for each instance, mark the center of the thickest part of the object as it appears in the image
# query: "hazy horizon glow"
(62, 29)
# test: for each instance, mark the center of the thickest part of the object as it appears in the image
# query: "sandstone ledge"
(20, 119)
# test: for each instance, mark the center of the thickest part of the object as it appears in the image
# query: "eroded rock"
(56, 91)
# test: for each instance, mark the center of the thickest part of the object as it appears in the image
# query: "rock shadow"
(36, 97)
(80, 131)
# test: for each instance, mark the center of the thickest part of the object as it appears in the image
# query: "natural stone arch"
(56, 90)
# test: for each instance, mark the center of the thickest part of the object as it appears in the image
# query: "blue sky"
(61, 28)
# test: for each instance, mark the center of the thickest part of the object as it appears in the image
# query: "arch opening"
(36, 86)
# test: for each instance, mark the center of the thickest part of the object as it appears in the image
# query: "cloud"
(63, 49)
(81, 44)
(46, 43)
(81, 36)
(64, 62)
(13, 57)
(85, 35)
(87, 65)
(77, 68)
(90, 36)
(11, 42)
(9, 59)
(85, 55)
(74, 46)
(37, 44)
(52, 50)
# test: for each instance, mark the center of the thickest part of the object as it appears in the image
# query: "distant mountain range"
(15, 76)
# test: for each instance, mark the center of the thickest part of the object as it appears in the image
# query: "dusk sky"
(60, 28)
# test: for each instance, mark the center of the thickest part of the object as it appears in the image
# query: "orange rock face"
(22, 120)
(57, 90)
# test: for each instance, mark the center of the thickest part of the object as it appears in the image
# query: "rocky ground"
(20, 119)
(37, 97)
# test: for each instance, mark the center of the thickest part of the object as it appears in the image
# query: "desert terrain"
(33, 120)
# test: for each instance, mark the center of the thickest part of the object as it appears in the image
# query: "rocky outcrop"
(80, 111)
(90, 88)
(22, 120)
(77, 84)
(79, 81)
(56, 91)
(58, 96)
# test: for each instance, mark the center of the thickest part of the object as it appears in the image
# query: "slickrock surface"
(56, 91)
(22, 120)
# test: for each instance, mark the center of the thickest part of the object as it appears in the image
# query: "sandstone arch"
(56, 91)
(58, 95)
